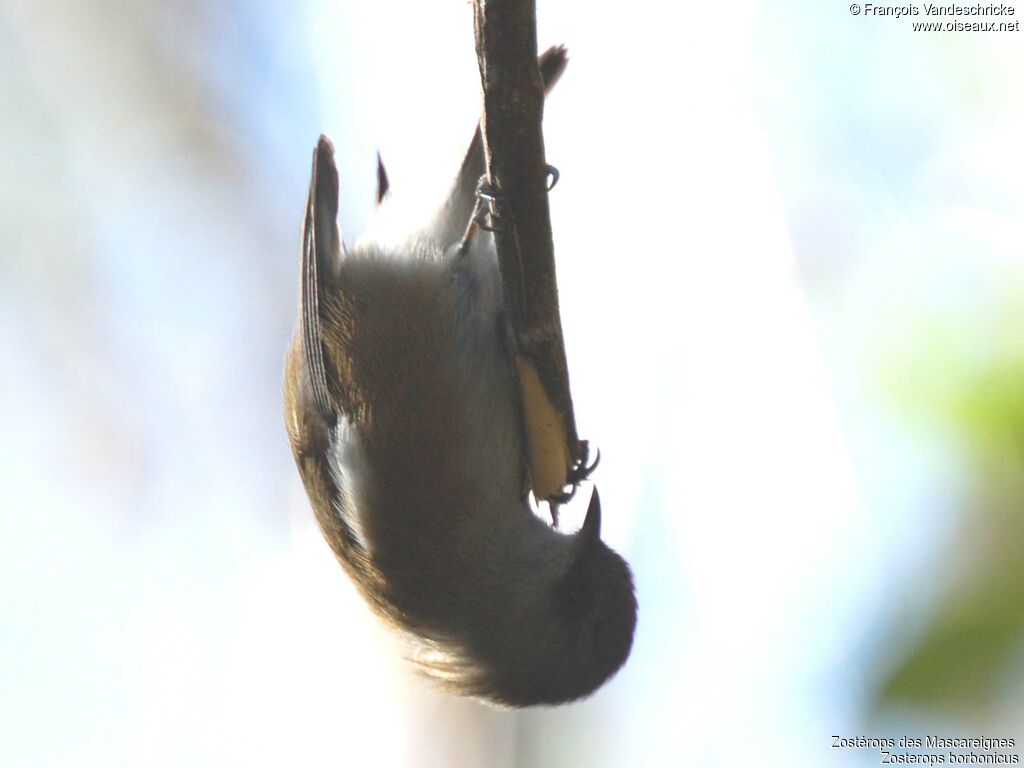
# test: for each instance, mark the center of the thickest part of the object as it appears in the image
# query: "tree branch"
(506, 45)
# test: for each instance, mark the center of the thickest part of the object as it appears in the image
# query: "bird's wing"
(321, 252)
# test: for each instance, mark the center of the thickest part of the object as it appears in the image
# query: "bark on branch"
(506, 46)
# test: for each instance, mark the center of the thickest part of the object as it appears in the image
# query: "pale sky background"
(762, 210)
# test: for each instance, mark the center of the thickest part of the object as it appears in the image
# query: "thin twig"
(506, 45)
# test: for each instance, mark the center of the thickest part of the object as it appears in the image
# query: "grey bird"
(402, 410)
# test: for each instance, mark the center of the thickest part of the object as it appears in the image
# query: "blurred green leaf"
(967, 384)
(960, 660)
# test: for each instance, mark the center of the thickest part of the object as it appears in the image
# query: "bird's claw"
(488, 201)
(580, 472)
